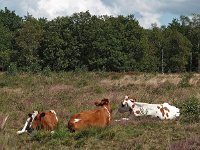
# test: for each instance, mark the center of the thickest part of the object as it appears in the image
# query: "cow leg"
(25, 126)
(130, 113)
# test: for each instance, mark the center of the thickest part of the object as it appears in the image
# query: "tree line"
(98, 43)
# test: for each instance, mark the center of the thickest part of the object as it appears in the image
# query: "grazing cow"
(162, 111)
(93, 118)
(40, 120)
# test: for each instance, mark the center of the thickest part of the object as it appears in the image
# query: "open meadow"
(71, 92)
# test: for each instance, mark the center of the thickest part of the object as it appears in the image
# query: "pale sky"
(146, 12)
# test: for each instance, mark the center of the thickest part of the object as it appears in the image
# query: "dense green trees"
(5, 46)
(9, 23)
(177, 49)
(28, 39)
(98, 43)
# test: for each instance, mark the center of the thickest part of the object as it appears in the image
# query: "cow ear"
(126, 97)
(42, 114)
(105, 101)
(133, 100)
(96, 103)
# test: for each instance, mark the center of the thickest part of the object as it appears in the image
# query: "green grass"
(72, 92)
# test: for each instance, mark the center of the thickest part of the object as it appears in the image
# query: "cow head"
(31, 119)
(125, 101)
(36, 124)
(103, 102)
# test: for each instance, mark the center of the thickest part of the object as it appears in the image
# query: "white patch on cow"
(56, 118)
(126, 97)
(24, 128)
(22, 131)
(53, 111)
(107, 112)
(76, 120)
(33, 115)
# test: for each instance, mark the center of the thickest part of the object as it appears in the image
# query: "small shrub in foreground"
(190, 110)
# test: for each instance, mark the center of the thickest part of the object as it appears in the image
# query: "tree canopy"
(98, 43)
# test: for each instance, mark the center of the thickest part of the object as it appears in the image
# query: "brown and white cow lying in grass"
(93, 118)
(161, 111)
(40, 120)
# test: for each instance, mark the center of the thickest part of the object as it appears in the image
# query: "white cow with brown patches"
(162, 111)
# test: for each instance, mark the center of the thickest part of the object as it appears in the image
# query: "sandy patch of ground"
(154, 81)
(195, 80)
(60, 87)
(11, 90)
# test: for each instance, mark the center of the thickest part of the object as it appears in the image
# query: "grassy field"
(68, 93)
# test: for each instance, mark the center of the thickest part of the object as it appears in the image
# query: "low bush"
(190, 110)
(185, 80)
(12, 69)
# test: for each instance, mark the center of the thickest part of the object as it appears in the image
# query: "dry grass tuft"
(187, 144)
(3, 119)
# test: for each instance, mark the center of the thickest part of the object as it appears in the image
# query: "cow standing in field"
(40, 120)
(93, 118)
(161, 111)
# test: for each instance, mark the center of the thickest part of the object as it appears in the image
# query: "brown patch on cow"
(158, 107)
(162, 111)
(167, 115)
(131, 111)
(165, 108)
(133, 105)
(133, 100)
(137, 112)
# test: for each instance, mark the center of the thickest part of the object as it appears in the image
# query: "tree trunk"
(198, 69)
(162, 61)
